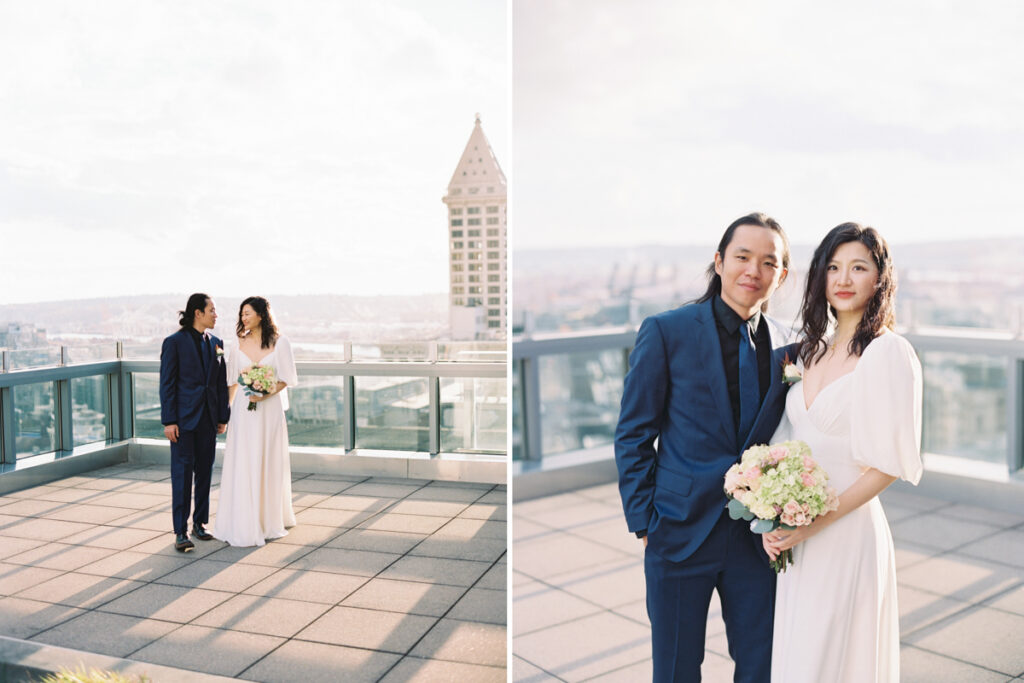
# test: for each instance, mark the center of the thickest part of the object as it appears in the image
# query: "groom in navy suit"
(704, 383)
(194, 410)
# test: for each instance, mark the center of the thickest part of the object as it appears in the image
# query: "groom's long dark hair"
(196, 302)
(757, 219)
(816, 310)
(268, 328)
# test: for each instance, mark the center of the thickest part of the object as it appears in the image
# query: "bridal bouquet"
(257, 380)
(778, 485)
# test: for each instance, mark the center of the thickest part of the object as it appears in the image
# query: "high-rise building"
(478, 283)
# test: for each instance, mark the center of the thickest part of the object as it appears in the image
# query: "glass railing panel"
(90, 409)
(390, 351)
(35, 419)
(318, 351)
(92, 353)
(136, 350)
(472, 352)
(965, 405)
(146, 393)
(980, 314)
(24, 359)
(518, 433)
(316, 412)
(580, 396)
(392, 413)
(474, 415)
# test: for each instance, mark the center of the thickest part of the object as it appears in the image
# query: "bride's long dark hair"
(818, 313)
(268, 328)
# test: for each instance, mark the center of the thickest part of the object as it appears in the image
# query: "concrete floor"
(382, 580)
(579, 613)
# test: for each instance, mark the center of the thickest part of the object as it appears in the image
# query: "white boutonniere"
(790, 371)
(219, 351)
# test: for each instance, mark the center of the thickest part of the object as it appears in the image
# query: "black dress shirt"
(728, 323)
(200, 340)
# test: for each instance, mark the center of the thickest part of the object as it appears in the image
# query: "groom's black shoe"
(202, 534)
(182, 543)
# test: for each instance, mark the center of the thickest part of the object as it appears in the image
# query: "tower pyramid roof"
(478, 167)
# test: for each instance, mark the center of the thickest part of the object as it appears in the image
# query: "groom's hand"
(222, 427)
(171, 432)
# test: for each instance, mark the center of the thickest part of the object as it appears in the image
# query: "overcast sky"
(238, 146)
(662, 121)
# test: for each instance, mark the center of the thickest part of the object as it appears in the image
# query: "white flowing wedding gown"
(256, 481)
(836, 618)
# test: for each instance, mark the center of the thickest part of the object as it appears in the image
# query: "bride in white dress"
(256, 482)
(858, 407)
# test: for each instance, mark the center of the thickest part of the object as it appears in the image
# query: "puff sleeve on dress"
(885, 412)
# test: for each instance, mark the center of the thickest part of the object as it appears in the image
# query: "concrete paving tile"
(908, 554)
(491, 511)
(970, 579)
(587, 512)
(369, 488)
(272, 554)
(91, 514)
(893, 496)
(167, 603)
(163, 544)
(601, 642)
(525, 672)
(537, 507)
(305, 500)
(299, 661)
(32, 507)
(322, 587)
(149, 473)
(612, 533)
(919, 609)
(154, 521)
(15, 578)
(59, 556)
(496, 577)
(921, 666)
(356, 503)
(133, 501)
(637, 611)
(127, 564)
(68, 495)
(941, 533)
(1005, 547)
(436, 570)
(442, 483)
(325, 487)
(38, 492)
(354, 478)
(464, 641)
(13, 546)
(21, 618)
(982, 515)
(338, 519)
(494, 497)
(482, 604)
(410, 524)
(417, 670)
(309, 535)
(641, 671)
(1009, 601)
(217, 576)
(561, 554)
(481, 549)
(109, 634)
(153, 488)
(449, 494)
(537, 606)
(210, 650)
(80, 590)
(474, 528)
(983, 636)
(528, 530)
(433, 508)
(259, 614)
(97, 482)
(112, 537)
(341, 561)
(370, 629)
(410, 597)
(379, 541)
(897, 513)
(401, 481)
(43, 529)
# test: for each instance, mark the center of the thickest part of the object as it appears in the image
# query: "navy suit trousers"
(192, 457)
(679, 595)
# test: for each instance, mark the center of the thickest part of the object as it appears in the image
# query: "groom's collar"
(730, 319)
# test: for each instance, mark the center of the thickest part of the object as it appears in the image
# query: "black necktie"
(750, 390)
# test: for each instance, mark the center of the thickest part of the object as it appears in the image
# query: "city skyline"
(234, 148)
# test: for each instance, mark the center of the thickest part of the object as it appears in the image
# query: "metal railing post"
(533, 444)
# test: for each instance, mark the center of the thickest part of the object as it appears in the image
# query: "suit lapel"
(709, 352)
(775, 383)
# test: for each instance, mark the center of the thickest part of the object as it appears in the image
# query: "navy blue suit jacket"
(185, 389)
(675, 437)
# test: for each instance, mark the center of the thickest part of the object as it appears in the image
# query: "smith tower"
(477, 198)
